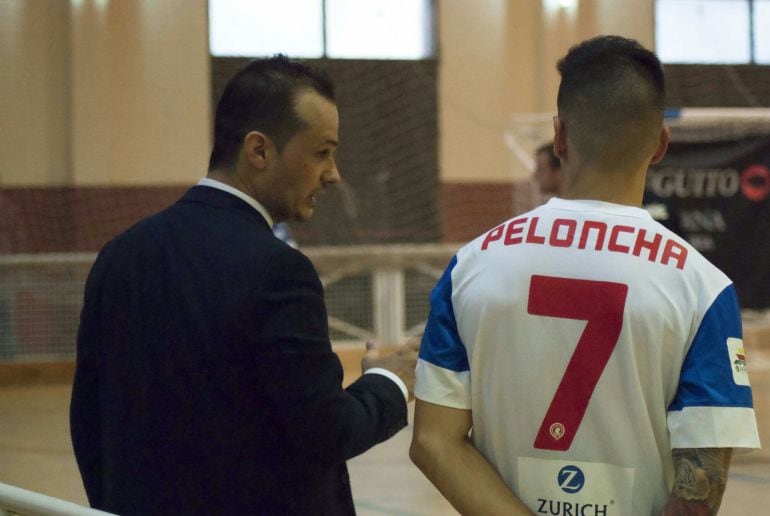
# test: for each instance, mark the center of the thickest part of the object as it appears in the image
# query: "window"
(374, 29)
(712, 31)
(265, 27)
(390, 29)
(761, 32)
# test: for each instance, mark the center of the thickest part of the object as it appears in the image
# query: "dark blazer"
(205, 378)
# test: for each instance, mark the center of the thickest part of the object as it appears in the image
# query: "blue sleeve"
(710, 369)
(441, 344)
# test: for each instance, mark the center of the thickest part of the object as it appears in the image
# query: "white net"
(377, 293)
(714, 124)
(527, 131)
(40, 300)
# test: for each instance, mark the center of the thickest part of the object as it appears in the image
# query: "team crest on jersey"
(737, 361)
(557, 431)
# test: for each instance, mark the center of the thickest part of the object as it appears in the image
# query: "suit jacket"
(205, 378)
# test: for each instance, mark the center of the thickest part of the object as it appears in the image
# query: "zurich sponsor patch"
(571, 479)
(559, 487)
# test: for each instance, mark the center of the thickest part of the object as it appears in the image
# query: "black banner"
(716, 195)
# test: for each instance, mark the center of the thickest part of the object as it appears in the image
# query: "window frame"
(429, 37)
(751, 43)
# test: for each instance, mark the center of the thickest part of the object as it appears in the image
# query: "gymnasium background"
(105, 117)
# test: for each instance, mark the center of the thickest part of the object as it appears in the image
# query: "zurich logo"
(571, 479)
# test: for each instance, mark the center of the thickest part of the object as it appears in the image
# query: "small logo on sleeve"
(737, 361)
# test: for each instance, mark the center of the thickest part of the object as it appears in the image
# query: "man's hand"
(400, 362)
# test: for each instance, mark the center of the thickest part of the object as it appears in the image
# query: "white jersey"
(588, 341)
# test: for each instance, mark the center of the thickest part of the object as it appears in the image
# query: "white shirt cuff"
(392, 376)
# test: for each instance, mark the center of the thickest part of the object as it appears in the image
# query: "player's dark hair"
(260, 97)
(612, 90)
(553, 159)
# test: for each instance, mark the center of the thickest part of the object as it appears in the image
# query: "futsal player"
(594, 357)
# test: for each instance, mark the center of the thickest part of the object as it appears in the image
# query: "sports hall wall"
(106, 108)
(106, 111)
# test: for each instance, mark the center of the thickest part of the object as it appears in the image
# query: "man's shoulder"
(283, 257)
(142, 227)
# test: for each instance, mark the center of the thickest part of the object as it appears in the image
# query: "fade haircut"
(260, 97)
(612, 98)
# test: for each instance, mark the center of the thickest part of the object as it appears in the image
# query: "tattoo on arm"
(700, 477)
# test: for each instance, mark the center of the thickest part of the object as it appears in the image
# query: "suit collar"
(213, 183)
(222, 199)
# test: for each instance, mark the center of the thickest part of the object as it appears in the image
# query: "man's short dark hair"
(260, 97)
(553, 159)
(612, 97)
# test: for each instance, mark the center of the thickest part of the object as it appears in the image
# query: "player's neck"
(614, 187)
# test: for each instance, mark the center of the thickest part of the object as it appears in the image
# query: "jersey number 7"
(601, 305)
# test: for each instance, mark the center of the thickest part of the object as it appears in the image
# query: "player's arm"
(700, 476)
(443, 451)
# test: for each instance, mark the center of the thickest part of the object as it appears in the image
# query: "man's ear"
(257, 149)
(665, 137)
(559, 137)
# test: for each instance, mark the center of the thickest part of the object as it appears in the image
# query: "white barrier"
(390, 284)
(15, 501)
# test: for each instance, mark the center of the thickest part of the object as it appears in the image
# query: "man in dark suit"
(205, 378)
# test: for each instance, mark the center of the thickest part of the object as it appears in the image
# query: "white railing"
(15, 501)
(386, 266)
(372, 293)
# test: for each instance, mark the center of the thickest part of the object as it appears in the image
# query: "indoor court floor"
(35, 453)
